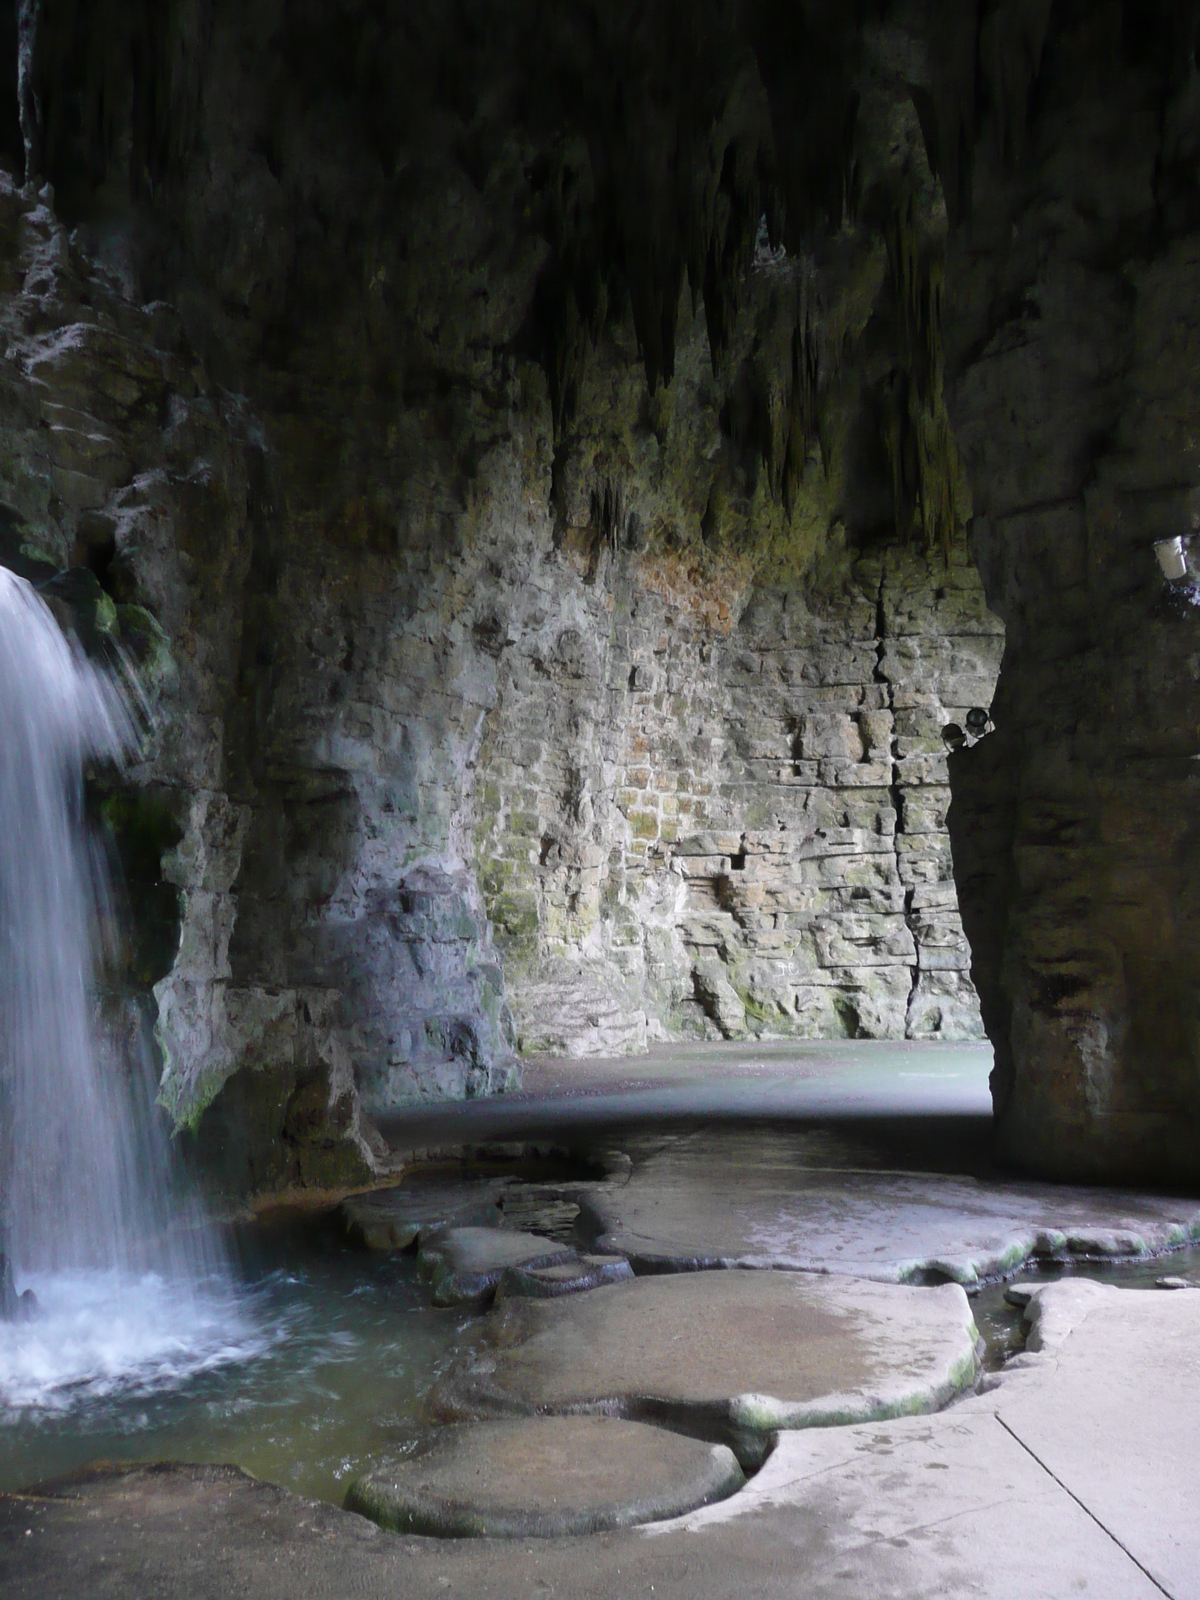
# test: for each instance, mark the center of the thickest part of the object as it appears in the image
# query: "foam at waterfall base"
(103, 1332)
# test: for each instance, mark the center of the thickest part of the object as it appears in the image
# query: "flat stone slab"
(761, 1200)
(568, 1277)
(400, 1215)
(733, 1356)
(548, 1209)
(1118, 1424)
(546, 1477)
(1091, 1431)
(399, 1218)
(466, 1264)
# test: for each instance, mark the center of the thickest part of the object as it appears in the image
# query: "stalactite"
(927, 478)
(802, 410)
(986, 57)
(661, 179)
(1011, 39)
(112, 90)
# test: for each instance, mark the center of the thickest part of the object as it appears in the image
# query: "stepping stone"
(759, 1200)
(544, 1477)
(733, 1356)
(399, 1217)
(540, 1208)
(569, 1277)
(466, 1264)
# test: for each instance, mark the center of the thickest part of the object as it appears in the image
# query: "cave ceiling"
(628, 156)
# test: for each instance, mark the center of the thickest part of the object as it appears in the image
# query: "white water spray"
(130, 1280)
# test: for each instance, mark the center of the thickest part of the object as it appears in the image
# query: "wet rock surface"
(14, 1307)
(1073, 1474)
(546, 1477)
(479, 1185)
(733, 1356)
(768, 1198)
(465, 1264)
(944, 1487)
(566, 1277)
(400, 1218)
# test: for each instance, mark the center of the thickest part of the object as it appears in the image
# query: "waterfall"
(130, 1281)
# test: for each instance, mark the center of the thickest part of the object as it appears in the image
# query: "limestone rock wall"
(1077, 405)
(302, 925)
(731, 824)
(629, 794)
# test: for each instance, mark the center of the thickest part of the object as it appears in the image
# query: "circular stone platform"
(543, 1477)
(735, 1355)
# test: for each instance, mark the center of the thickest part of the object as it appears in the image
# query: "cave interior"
(646, 532)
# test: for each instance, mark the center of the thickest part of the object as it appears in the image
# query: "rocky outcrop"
(286, 930)
(1075, 401)
(501, 695)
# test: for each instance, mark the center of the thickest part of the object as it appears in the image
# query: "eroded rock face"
(1075, 403)
(316, 917)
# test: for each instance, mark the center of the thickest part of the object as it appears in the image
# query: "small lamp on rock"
(977, 721)
(953, 737)
(1171, 558)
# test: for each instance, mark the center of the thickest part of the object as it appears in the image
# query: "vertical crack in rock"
(895, 790)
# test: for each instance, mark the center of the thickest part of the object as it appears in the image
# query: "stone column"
(1076, 825)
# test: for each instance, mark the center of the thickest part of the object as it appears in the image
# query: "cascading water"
(130, 1282)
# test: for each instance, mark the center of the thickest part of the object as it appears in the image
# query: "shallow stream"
(1002, 1324)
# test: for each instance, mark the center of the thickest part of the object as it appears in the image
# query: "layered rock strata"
(733, 826)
